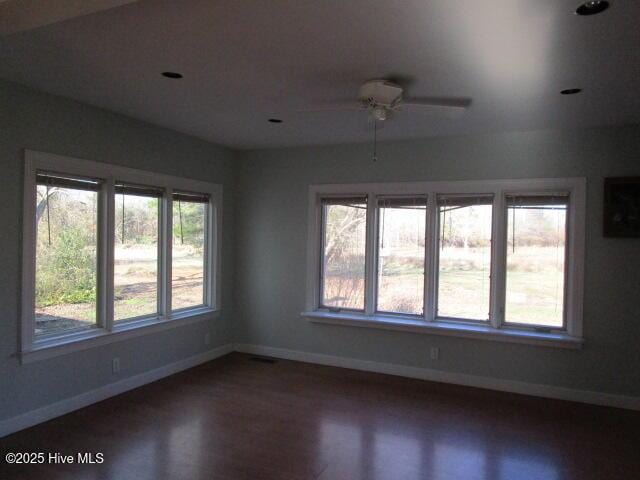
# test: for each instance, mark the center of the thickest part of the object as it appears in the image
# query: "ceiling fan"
(382, 98)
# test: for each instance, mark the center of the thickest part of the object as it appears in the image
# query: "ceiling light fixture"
(274, 120)
(379, 113)
(592, 7)
(173, 75)
(570, 91)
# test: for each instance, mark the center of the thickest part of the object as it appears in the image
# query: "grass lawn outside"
(535, 282)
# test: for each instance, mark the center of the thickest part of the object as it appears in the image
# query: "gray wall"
(271, 244)
(52, 124)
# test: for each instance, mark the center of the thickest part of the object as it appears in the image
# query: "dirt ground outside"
(135, 289)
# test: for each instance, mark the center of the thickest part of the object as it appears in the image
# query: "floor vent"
(263, 360)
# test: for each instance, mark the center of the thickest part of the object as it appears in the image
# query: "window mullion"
(370, 299)
(166, 228)
(498, 260)
(574, 256)
(162, 207)
(431, 246)
(106, 240)
(319, 292)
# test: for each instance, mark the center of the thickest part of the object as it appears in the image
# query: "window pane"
(65, 295)
(343, 257)
(136, 256)
(535, 261)
(187, 271)
(401, 244)
(464, 257)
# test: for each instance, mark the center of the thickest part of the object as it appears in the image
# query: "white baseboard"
(67, 405)
(512, 386)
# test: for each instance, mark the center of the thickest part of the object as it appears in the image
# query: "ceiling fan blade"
(339, 106)
(461, 103)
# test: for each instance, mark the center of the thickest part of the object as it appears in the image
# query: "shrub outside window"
(98, 252)
(66, 254)
(472, 257)
(343, 253)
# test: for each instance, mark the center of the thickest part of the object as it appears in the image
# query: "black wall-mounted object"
(622, 207)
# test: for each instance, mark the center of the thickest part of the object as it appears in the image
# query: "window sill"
(482, 332)
(53, 347)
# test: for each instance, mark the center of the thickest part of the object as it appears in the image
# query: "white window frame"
(106, 331)
(570, 336)
(376, 254)
(435, 245)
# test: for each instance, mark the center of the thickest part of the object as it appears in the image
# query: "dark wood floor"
(237, 418)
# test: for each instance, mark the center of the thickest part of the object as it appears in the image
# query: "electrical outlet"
(434, 353)
(116, 364)
(207, 338)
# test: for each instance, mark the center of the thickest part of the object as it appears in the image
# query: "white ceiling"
(245, 61)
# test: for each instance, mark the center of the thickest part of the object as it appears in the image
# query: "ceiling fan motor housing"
(380, 93)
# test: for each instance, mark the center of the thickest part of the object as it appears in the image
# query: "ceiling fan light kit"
(379, 113)
(382, 97)
(380, 93)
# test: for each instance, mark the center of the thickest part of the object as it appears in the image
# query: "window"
(189, 249)
(536, 241)
(401, 254)
(464, 254)
(109, 250)
(66, 254)
(136, 245)
(343, 252)
(496, 259)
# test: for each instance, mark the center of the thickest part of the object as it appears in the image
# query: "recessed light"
(274, 120)
(570, 91)
(172, 74)
(593, 7)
